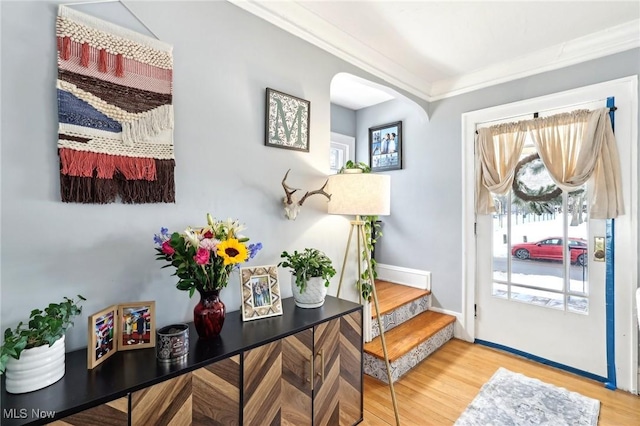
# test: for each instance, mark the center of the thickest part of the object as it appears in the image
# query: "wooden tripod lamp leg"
(344, 261)
(379, 317)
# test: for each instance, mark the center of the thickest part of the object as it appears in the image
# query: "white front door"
(533, 301)
(541, 289)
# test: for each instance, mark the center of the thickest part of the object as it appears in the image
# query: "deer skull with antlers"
(291, 203)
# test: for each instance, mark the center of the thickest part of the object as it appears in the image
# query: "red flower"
(202, 256)
(208, 234)
(167, 249)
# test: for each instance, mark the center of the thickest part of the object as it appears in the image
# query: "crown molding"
(299, 21)
(603, 43)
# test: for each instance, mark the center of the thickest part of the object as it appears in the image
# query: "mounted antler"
(288, 190)
(319, 191)
(291, 203)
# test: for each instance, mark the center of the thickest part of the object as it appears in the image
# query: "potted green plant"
(32, 357)
(353, 167)
(312, 270)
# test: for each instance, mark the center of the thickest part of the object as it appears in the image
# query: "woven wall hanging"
(115, 113)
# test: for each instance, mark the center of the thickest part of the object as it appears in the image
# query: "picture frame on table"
(136, 325)
(120, 327)
(102, 342)
(260, 292)
(385, 147)
(287, 121)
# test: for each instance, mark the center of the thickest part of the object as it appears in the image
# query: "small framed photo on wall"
(385, 147)
(137, 325)
(287, 121)
(260, 292)
(102, 336)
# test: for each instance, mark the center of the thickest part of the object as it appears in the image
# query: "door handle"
(321, 374)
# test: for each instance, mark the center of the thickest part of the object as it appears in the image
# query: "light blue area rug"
(514, 399)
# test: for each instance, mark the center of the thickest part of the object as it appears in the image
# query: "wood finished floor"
(438, 390)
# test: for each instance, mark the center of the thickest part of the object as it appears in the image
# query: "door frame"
(625, 91)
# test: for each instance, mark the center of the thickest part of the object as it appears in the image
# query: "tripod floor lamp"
(363, 194)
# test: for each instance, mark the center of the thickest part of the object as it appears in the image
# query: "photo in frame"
(136, 325)
(260, 292)
(102, 342)
(385, 147)
(287, 121)
(119, 328)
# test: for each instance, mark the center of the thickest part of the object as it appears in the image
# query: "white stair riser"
(375, 367)
(400, 314)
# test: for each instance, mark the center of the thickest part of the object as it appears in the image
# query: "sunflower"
(232, 251)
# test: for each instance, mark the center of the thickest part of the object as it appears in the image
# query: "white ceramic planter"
(313, 295)
(37, 368)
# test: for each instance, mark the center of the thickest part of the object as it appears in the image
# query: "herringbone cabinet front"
(313, 377)
(338, 378)
(207, 396)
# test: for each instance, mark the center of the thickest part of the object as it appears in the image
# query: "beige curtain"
(575, 146)
(498, 150)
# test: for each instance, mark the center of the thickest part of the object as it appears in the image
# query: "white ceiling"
(435, 49)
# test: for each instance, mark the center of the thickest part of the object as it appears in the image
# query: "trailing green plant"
(307, 264)
(372, 231)
(44, 327)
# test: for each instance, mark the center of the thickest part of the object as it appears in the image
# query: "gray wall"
(224, 59)
(343, 120)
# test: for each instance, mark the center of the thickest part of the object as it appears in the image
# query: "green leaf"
(3, 362)
(44, 327)
(184, 285)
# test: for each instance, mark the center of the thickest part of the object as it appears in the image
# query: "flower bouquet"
(203, 259)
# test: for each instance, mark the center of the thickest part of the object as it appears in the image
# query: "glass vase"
(209, 314)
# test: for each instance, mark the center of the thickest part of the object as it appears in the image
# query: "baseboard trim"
(405, 276)
(546, 361)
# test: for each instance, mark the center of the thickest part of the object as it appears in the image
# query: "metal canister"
(172, 343)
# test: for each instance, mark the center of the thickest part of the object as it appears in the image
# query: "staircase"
(412, 332)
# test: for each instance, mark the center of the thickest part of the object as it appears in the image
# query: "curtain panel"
(574, 147)
(498, 150)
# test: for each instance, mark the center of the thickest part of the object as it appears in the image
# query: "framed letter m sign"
(287, 121)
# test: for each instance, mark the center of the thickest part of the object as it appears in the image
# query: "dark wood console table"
(304, 367)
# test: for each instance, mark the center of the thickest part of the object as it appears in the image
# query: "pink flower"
(202, 256)
(167, 249)
(209, 244)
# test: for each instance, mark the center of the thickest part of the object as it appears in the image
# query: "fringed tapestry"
(115, 113)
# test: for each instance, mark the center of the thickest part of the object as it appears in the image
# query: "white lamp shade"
(365, 194)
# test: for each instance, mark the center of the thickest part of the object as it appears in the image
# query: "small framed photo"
(102, 336)
(260, 292)
(287, 121)
(385, 147)
(137, 325)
